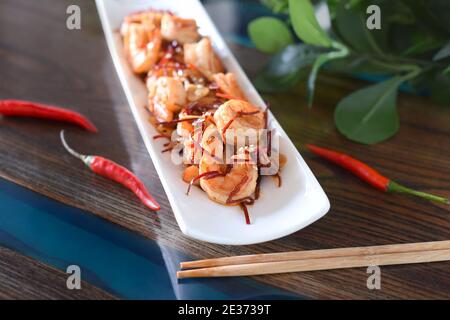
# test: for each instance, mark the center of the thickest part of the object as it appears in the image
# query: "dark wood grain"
(41, 60)
(25, 278)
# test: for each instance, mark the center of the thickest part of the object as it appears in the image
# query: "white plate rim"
(313, 187)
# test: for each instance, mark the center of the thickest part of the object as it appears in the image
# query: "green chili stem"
(397, 188)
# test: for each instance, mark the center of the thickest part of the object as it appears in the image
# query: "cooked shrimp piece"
(151, 84)
(185, 128)
(235, 182)
(179, 29)
(195, 91)
(192, 150)
(228, 84)
(160, 110)
(171, 91)
(212, 143)
(240, 116)
(151, 19)
(142, 47)
(190, 173)
(202, 56)
(166, 96)
(188, 151)
(157, 107)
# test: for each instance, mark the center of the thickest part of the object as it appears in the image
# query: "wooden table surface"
(41, 60)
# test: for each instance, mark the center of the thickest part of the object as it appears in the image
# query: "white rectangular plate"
(279, 211)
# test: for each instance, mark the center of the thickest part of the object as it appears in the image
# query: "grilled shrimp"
(195, 92)
(192, 150)
(171, 91)
(233, 182)
(179, 29)
(190, 173)
(166, 96)
(203, 57)
(185, 128)
(240, 116)
(228, 84)
(212, 143)
(142, 45)
(150, 19)
(189, 151)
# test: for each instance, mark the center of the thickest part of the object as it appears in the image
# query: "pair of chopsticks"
(312, 260)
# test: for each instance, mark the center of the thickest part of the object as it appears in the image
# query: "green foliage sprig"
(412, 46)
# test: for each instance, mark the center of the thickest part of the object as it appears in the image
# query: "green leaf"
(398, 12)
(350, 24)
(333, 6)
(433, 13)
(354, 64)
(421, 83)
(270, 34)
(440, 92)
(423, 43)
(293, 57)
(305, 23)
(394, 14)
(320, 61)
(267, 84)
(277, 6)
(443, 53)
(286, 68)
(446, 71)
(439, 10)
(370, 115)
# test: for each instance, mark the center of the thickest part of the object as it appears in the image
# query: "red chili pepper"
(246, 215)
(19, 108)
(117, 173)
(370, 175)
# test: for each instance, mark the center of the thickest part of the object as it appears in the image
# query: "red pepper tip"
(91, 128)
(154, 206)
(22, 108)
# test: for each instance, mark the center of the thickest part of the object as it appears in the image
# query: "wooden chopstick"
(318, 264)
(314, 254)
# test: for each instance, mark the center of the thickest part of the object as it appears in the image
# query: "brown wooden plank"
(41, 60)
(25, 278)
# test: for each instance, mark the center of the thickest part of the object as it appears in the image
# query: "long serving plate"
(279, 211)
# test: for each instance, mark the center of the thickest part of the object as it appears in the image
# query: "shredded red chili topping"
(205, 175)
